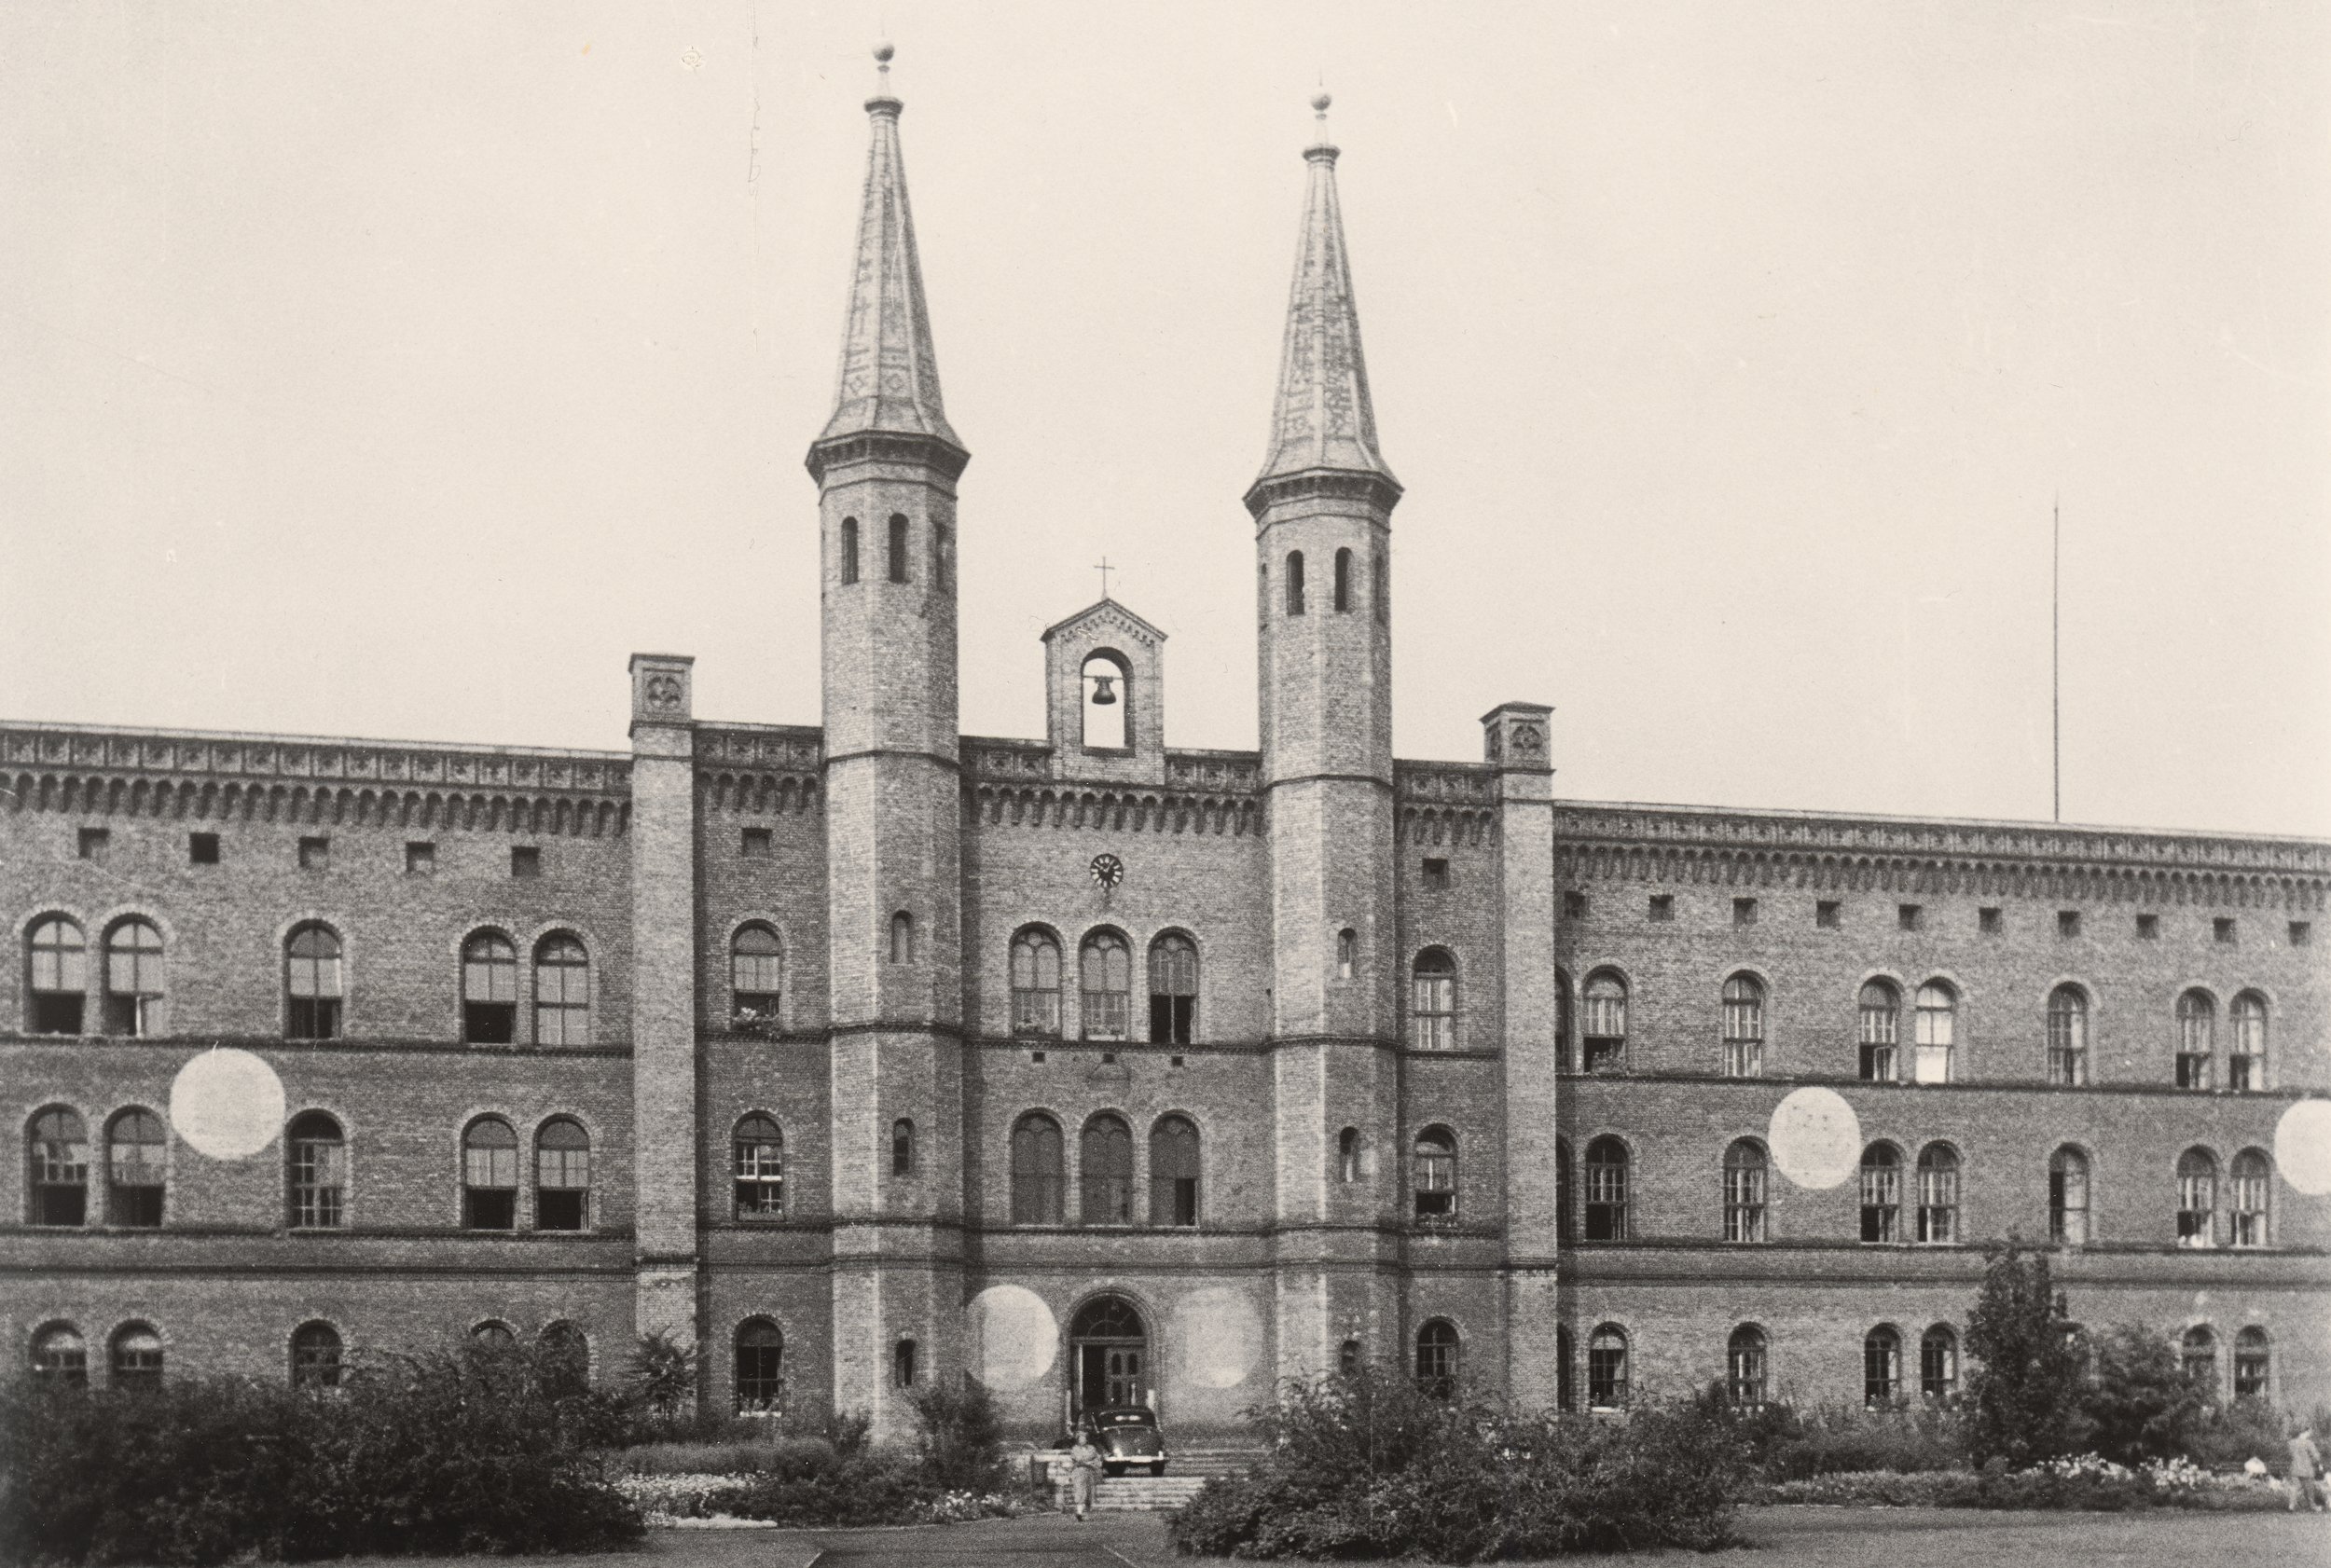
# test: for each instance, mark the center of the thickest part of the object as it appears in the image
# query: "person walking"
(2307, 1472)
(1085, 1471)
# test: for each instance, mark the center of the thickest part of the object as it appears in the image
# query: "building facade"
(870, 1053)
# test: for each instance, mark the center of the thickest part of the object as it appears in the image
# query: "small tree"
(663, 1373)
(2141, 1401)
(962, 1437)
(2025, 1394)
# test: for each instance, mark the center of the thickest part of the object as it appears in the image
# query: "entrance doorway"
(1109, 1355)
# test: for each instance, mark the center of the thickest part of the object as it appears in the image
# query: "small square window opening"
(315, 854)
(1175, 1061)
(1574, 906)
(2148, 927)
(755, 844)
(1035, 1055)
(420, 859)
(1744, 912)
(2222, 928)
(1828, 915)
(1662, 906)
(1989, 922)
(2301, 933)
(202, 849)
(1436, 874)
(95, 844)
(2067, 922)
(1910, 917)
(526, 861)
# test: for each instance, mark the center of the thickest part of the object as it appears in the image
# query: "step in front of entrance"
(1135, 1494)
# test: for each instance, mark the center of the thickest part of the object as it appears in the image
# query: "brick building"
(867, 1054)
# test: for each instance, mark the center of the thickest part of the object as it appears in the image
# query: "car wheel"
(1113, 1469)
(1158, 1468)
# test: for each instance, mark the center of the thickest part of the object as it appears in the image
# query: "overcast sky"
(398, 370)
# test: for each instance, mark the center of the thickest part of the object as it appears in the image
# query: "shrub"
(962, 1438)
(2138, 1399)
(662, 1373)
(1908, 1441)
(2088, 1484)
(2024, 1395)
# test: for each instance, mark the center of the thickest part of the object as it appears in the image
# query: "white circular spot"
(227, 1104)
(1816, 1139)
(1013, 1336)
(2302, 1146)
(1220, 1337)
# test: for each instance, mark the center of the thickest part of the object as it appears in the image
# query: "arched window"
(1882, 1193)
(490, 989)
(755, 976)
(897, 547)
(1294, 582)
(1342, 580)
(316, 1183)
(1937, 1033)
(59, 976)
(2067, 1036)
(1938, 1194)
(942, 573)
(1384, 590)
(1606, 1191)
(1744, 1026)
(135, 1148)
(2197, 1030)
(2253, 1363)
(1882, 1366)
(1347, 1358)
(1606, 1368)
(1434, 1000)
(849, 549)
(1107, 705)
(1346, 953)
(1434, 1176)
(759, 1385)
(494, 1334)
(566, 1355)
(1347, 1155)
(312, 985)
(1105, 970)
(903, 1364)
(562, 991)
(902, 1148)
(1566, 1196)
(136, 1362)
(2197, 1353)
(2196, 1198)
(1036, 983)
(1745, 1367)
(315, 1356)
(757, 1167)
(1565, 1023)
(1565, 1371)
(2068, 1197)
(1174, 1171)
(1604, 1028)
(1745, 1167)
(562, 1175)
(57, 1162)
(1173, 989)
(490, 1176)
(901, 938)
(133, 979)
(1880, 1016)
(1437, 1353)
(1105, 1171)
(1938, 1363)
(2247, 1059)
(1036, 1176)
(2246, 1198)
(61, 1353)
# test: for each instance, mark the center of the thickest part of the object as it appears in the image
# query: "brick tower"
(1322, 508)
(886, 466)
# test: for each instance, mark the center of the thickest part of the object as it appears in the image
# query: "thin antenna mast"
(2056, 656)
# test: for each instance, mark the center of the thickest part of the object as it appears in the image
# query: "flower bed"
(865, 1493)
(2086, 1483)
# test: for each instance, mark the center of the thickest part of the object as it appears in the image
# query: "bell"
(1104, 694)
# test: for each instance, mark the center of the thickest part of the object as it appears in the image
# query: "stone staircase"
(1189, 1466)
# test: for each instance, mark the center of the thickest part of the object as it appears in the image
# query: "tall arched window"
(942, 572)
(2196, 1198)
(316, 1183)
(1173, 989)
(1745, 1367)
(1565, 1023)
(2197, 1353)
(1437, 1359)
(1347, 1155)
(1879, 1014)
(849, 549)
(1603, 1030)
(315, 1356)
(901, 938)
(1105, 973)
(1606, 1191)
(562, 1175)
(1607, 1372)
(2197, 1029)
(2252, 1180)
(1744, 1026)
(1434, 1000)
(57, 1168)
(1882, 1366)
(2067, 1036)
(1433, 1176)
(1105, 1171)
(490, 1176)
(1938, 1363)
(1566, 1194)
(757, 1167)
(2247, 1060)
(1938, 1195)
(1938, 1027)
(2068, 1197)
(1174, 1171)
(136, 1361)
(1036, 983)
(1745, 1167)
(755, 976)
(58, 961)
(562, 991)
(134, 979)
(1342, 580)
(903, 1147)
(60, 1353)
(311, 983)
(566, 1359)
(760, 1383)
(1346, 953)
(1882, 1193)
(135, 1149)
(897, 547)
(490, 989)
(1294, 582)
(2253, 1363)
(1036, 1175)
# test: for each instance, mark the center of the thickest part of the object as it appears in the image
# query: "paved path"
(1040, 1541)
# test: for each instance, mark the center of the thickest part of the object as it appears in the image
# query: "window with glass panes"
(1744, 1026)
(1602, 1024)
(490, 1176)
(490, 989)
(2197, 1029)
(59, 978)
(2068, 1197)
(1882, 1193)
(312, 985)
(1745, 1167)
(1880, 1026)
(58, 1160)
(562, 992)
(2067, 1036)
(757, 1152)
(133, 979)
(1035, 985)
(2246, 1058)
(1105, 973)
(1433, 1176)
(1938, 1194)
(2251, 1178)
(754, 966)
(1173, 989)
(318, 1174)
(1432, 1003)
(562, 1175)
(2196, 1198)
(1937, 1033)
(135, 1149)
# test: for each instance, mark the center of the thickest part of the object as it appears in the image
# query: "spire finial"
(882, 99)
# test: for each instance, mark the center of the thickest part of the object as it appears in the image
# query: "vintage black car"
(1127, 1436)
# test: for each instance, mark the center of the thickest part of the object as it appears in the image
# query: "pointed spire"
(889, 382)
(1322, 420)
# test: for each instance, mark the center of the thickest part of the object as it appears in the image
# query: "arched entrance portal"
(1109, 1355)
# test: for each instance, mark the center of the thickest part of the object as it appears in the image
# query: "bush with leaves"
(1904, 1440)
(962, 1437)
(2139, 1401)
(662, 1374)
(2024, 1396)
